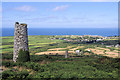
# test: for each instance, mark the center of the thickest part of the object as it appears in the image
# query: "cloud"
(60, 8)
(42, 18)
(25, 8)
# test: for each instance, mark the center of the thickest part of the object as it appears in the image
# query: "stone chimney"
(20, 39)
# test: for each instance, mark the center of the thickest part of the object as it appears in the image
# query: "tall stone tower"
(20, 39)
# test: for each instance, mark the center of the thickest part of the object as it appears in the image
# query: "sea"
(65, 31)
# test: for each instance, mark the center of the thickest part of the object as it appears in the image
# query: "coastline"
(105, 32)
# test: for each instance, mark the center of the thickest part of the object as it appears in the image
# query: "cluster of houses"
(117, 46)
(78, 38)
(85, 38)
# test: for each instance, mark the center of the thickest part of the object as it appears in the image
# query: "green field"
(56, 66)
(36, 44)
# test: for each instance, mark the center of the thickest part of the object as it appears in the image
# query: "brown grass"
(100, 51)
(19, 68)
(53, 52)
(57, 49)
(76, 48)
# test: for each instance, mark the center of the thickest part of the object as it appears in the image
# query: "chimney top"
(17, 23)
(23, 24)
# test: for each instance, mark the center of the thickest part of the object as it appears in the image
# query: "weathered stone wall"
(20, 39)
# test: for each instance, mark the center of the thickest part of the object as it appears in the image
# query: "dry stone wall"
(20, 39)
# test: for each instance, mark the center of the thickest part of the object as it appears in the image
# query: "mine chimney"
(20, 39)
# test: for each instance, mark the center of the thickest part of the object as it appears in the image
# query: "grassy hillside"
(45, 66)
(56, 66)
(36, 43)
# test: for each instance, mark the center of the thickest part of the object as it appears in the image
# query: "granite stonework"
(20, 39)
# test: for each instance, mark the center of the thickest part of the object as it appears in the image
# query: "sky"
(59, 0)
(60, 14)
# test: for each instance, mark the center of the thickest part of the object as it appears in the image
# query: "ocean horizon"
(65, 31)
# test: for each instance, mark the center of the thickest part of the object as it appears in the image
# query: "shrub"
(7, 56)
(22, 74)
(14, 74)
(8, 64)
(23, 56)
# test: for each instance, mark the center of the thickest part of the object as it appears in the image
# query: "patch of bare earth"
(3, 68)
(111, 54)
(102, 48)
(100, 51)
(76, 48)
(56, 51)
(19, 68)
(53, 52)
(44, 62)
(86, 53)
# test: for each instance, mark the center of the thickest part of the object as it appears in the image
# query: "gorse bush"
(23, 56)
(15, 74)
(91, 66)
(7, 56)
(8, 63)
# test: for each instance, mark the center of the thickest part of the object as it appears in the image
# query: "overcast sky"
(61, 14)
